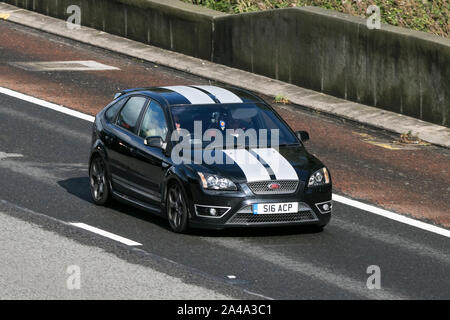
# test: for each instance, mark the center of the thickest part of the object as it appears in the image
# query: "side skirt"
(137, 203)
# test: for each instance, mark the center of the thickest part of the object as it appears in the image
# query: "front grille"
(262, 187)
(245, 216)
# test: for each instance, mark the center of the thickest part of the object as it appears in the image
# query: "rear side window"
(129, 114)
(110, 114)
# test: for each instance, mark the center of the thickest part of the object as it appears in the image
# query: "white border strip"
(392, 215)
(46, 104)
(353, 203)
(106, 234)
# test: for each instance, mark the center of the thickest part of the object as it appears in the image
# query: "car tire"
(98, 181)
(177, 210)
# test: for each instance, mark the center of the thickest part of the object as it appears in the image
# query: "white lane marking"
(347, 201)
(106, 234)
(46, 104)
(252, 168)
(258, 295)
(223, 95)
(10, 205)
(281, 167)
(4, 155)
(88, 65)
(194, 96)
(392, 215)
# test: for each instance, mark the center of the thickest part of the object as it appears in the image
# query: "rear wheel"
(176, 208)
(98, 181)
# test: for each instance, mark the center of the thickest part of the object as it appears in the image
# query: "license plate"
(273, 208)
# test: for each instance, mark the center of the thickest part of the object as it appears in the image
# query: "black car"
(206, 156)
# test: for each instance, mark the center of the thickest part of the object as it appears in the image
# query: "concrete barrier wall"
(169, 24)
(392, 68)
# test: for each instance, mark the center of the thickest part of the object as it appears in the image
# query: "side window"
(154, 123)
(112, 110)
(129, 114)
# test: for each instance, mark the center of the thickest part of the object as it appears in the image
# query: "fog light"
(210, 211)
(324, 207)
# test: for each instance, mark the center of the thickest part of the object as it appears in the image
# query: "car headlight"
(319, 178)
(214, 182)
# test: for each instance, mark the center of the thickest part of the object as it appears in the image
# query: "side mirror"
(302, 135)
(156, 142)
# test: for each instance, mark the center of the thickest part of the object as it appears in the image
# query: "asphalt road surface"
(40, 264)
(44, 188)
(365, 164)
(43, 172)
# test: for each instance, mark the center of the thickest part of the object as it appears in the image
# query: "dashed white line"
(106, 234)
(347, 201)
(4, 155)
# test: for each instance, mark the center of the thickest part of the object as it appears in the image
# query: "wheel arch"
(98, 149)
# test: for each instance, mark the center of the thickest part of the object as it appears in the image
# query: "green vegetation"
(424, 15)
(281, 99)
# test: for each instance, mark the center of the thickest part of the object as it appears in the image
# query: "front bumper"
(236, 207)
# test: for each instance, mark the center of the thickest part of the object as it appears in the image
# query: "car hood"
(257, 164)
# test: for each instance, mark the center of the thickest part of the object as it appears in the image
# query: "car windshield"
(238, 125)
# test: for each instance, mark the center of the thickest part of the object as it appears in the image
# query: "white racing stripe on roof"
(281, 167)
(194, 96)
(223, 95)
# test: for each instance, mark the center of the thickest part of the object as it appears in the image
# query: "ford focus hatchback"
(206, 156)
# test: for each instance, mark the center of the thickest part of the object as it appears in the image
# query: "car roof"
(196, 94)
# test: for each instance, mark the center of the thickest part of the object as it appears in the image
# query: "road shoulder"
(55, 253)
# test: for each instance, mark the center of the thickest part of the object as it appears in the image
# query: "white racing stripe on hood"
(194, 96)
(281, 167)
(223, 95)
(252, 168)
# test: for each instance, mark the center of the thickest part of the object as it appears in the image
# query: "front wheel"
(98, 181)
(176, 208)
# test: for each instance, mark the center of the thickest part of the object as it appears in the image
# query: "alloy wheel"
(98, 181)
(176, 209)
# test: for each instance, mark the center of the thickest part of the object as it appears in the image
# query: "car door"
(121, 143)
(149, 162)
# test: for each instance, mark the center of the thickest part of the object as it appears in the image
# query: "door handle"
(165, 165)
